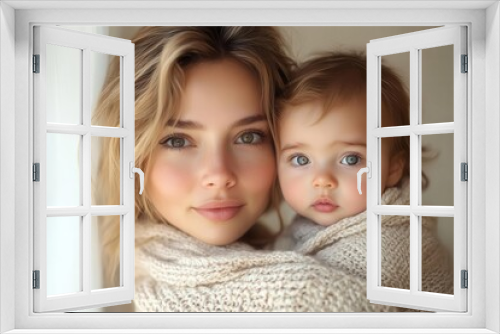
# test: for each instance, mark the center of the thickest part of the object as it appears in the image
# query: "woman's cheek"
(171, 177)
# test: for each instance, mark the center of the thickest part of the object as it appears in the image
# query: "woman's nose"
(218, 172)
(325, 180)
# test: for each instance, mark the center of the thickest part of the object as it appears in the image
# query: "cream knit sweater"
(177, 273)
(343, 246)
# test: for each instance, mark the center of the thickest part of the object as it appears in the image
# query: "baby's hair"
(162, 55)
(337, 78)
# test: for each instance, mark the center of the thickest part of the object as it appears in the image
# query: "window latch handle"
(368, 171)
(138, 171)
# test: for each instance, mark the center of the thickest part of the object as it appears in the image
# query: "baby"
(321, 145)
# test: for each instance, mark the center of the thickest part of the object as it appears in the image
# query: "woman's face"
(213, 171)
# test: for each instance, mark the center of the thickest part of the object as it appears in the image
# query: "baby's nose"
(325, 181)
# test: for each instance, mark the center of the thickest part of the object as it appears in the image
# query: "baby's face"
(318, 160)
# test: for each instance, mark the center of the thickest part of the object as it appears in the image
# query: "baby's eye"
(299, 160)
(351, 160)
(176, 142)
(250, 138)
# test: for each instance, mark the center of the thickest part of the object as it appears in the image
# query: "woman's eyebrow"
(184, 124)
(187, 124)
(250, 120)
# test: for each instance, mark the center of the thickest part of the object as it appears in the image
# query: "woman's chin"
(222, 233)
(219, 240)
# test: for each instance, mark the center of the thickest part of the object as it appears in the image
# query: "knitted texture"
(177, 273)
(343, 246)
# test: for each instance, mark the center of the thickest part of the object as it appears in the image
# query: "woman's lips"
(219, 210)
(324, 205)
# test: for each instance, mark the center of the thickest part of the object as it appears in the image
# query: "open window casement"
(68, 68)
(418, 45)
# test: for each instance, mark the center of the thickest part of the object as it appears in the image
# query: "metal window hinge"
(464, 172)
(36, 279)
(36, 172)
(465, 279)
(465, 64)
(36, 63)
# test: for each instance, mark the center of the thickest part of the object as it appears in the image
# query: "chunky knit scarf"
(343, 246)
(177, 273)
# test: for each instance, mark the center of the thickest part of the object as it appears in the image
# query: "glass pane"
(437, 254)
(102, 264)
(106, 171)
(395, 98)
(395, 170)
(99, 63)
(437, 84)
(64, 261)
(395, 251)
(437, 168)
(63, 170)
(64, 84)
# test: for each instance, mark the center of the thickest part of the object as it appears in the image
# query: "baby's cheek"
(358, 202)
(294, 192)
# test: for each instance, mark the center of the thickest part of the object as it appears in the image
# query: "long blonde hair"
(161, 57)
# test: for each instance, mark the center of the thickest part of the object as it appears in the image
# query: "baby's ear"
(396, 169)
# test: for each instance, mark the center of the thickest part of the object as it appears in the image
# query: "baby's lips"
(324, 205)
(324, 201)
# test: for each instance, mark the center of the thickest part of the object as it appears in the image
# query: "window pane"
(63, 170)
(437, 254)
(99, 63)
(437, 167)
(395, 256)
(437, 84)
(395, 168)
(394, 90)
(64, 255)
(64, 85)
(106, 183)
(103, 226)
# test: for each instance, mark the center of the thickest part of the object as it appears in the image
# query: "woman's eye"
(250, 138)
(176, 142)
(300, 160)
(350, 160)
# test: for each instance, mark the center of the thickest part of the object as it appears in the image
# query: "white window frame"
(86, 43)
(414, 43)
(483, 21)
